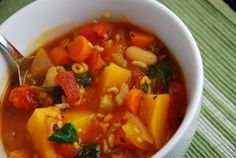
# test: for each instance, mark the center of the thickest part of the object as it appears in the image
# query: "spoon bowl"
(23, 63)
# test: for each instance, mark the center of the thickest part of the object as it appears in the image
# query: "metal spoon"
(21, 62)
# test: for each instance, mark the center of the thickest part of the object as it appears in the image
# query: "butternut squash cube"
(136, 132)
(79, 119)
(113, 75)
(41, 64)
(39, 128)
(156, 109)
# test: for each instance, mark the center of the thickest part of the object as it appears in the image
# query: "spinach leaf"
(56, 92)
(144, 87)
(89, 151)
(67, 134)
(84, 79)
(162, 71)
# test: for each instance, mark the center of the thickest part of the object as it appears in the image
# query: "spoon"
(21, 62)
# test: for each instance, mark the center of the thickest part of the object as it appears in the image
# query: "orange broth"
(14, 121)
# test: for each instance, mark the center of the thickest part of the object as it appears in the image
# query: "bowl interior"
(32, 21)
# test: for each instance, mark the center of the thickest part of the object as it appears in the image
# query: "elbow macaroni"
(79, 68)
(146, 79)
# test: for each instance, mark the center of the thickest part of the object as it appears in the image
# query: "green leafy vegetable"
(84, 79)
(67, 134)
(144, 87)
(89, 151)
(56, 92)
(162, 71)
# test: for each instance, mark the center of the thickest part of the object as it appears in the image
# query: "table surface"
(213, 25)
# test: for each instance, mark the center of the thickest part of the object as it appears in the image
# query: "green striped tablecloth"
(213, 25)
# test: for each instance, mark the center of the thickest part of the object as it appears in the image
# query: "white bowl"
(33, 20)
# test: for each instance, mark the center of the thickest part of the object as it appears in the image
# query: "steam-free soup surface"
(107, 89)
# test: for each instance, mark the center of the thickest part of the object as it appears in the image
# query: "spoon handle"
(10, 49)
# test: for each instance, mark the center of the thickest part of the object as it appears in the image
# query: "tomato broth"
(107, 89)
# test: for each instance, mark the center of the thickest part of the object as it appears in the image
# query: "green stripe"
(211, 16)
(202, 146)
(216, 38)
(224, 10)
(218, 125)
(230, 115)
(223, 56)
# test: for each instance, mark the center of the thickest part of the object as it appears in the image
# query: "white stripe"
(227, 103)
(218, 114)
(216, 138)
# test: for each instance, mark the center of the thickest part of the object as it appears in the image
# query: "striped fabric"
(213, 25)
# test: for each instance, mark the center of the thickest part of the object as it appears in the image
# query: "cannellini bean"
(138, 54)
(50, 79)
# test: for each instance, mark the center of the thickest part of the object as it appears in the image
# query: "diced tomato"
(65, 150)
(87, 31)
(24, 97)
(68, 83)
(95, 31)
(101, 29)
(95, 63)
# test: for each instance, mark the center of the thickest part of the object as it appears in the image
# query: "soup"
(107, 89)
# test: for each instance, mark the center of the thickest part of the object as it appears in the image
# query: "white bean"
(50, 79)
(138, 54)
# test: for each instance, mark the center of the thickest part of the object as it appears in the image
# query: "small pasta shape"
(146, 80)
(50, 79)
(119, 98)
(139, 64)
(79, 68)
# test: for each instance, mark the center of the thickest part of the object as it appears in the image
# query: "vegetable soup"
(107, 89)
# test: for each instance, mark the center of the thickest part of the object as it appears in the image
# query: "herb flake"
(85, 79)
(162, 71)
(144, 87)
(56, 92)
(67, 134)
(89, 151)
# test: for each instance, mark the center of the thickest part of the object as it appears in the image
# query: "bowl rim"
(195, 108)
